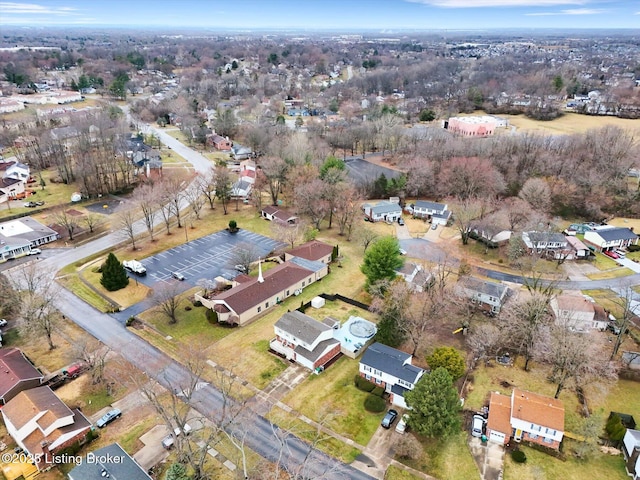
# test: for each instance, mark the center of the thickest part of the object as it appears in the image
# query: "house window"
(547, 440)
(367, 376)
(378, 381)
(533, 436)
(288, 293)
(303, 283)
(259, 309)
(266, 305)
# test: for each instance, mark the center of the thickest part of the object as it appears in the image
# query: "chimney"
(260, 278)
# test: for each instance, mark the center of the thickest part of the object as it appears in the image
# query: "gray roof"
(124, 468)
(547, 237)
(13, 231)
(391, 361)
(429, 205)
(313, 355)
(301, 326)
(619, 233)
(386, 207)
(489, 288)
(312, 265)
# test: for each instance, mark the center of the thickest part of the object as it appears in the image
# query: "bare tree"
(484, 340)
(207, 185)
(93, 354)
(274, 170)
(223, 186)
(39, 316)
(126, 222)
(65, 219)
(173, 192)
(167, 297)
(91, 220)
(290, 234)
(624, 301)
(311, 201)
(366, 237)
(536, 192)
(145, 197)
(245, 254)
(467, 212)
(193, 194)
(347, 209)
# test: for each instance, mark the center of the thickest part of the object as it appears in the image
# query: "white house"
(416, 276)
(488, 296)
(609, 238)
(384, 210)
(551, 244)
(17, 171)
(439, 213)
(631, 451)
(391, 369)
(577, 314)
(304, 340)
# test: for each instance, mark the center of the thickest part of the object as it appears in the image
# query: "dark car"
(39, 203)
(389, 418)
(400, 221)
(108, 417)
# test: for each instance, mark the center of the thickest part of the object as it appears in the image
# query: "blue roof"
(121, 467)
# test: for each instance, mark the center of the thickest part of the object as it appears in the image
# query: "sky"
(355, 15)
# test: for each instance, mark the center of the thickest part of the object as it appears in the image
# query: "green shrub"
(379, 391)
(197, 303)
(363, 384)
(634, 248)
(374, 404)
(130, 321)
(518, 456)
(187, 307)
(212, 317)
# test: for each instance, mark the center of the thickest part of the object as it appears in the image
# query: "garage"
(497, 437)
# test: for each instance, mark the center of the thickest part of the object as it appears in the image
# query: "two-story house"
(488, 296)
(383, 211)
(610, 238)
(525, 416)
(439, 213)
(16, 374)
(416, 276)
(41, 424)
(305, 340)
(631, 452)
(550, 244)
(577, 314)
(391, 369)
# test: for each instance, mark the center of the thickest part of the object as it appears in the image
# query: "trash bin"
(483, 438)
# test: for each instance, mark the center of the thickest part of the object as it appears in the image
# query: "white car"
(402, 424)
(3, 322)
(477, 425)
(34, 251)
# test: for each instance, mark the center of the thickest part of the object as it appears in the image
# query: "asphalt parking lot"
(207, 257)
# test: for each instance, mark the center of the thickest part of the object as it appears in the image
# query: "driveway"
(489, 457)
(153, 452)
(630, 264)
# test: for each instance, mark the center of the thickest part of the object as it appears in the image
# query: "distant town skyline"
(352, 15)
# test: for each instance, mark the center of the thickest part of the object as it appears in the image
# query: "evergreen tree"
(114, 276)
(177, 471)
(434, 405)
(448, 358)
(381, 261)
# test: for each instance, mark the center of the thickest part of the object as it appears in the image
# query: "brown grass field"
(569, 123)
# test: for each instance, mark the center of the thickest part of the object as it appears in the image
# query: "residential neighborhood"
(267, 254)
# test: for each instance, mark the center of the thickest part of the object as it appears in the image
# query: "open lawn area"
(568, 123)
(396, 473)
(611, 273)
(333, 397)
(445, 458)
(539, 465)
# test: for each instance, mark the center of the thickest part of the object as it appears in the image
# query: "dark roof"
(313, 250)
(125, 469)
(8, 181)
(481, 286)
(619, 233)
(301, 326)
(385, 207)
(547, 237)
(15, 368)
(429, 205)
(391, 361)
(316, 353)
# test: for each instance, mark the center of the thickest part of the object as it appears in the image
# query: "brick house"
(219, 142)
(390, 369)
(525, 416)
(610, 238)
(305, 340)
(17, 374)
(41, 424)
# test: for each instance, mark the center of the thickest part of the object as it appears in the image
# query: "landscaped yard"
(611, 273)
(332, 396)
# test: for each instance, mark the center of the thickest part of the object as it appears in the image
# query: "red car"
(611, 253)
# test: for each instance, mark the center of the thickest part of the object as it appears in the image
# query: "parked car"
(34, 251)
(39, 203)
(169, 440)
(30, 204)
(3, 322)
(402, 424)
(241, 268)
(401, 221)
(477, 425)
(177, 276)
(434, 226)
(402, 251)
(620, 253)
(389, 418)
(613, 328)
(611, 253)
(108, 417)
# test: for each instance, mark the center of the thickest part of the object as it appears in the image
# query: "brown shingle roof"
(247, 295)
(14, 368)
(574, 303)
(28, 404)
(499, 413)
(313, 250)
(538, 409)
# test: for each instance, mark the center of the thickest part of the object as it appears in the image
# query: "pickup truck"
(135, 267)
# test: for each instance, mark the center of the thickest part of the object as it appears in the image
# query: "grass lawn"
(448, 458)
(568, 123)
(334, 393)
(611, 273)
(395, 473)
(71, 281)
(326, 443)
(540, 465)
(602, 262)
(130, 441)
(607, 300)
(125, 297)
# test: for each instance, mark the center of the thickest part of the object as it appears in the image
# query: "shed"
(317, 302)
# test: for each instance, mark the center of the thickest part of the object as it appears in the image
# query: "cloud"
(12, 8)
(574, 11)
(498, 3)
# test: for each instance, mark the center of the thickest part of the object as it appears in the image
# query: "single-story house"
(580, 249)
(314, 250)
(488, 296)
(108, 462)
(18, 236)
(17, 374)
(241, 189)
(390, 369)
(383, 211)
(42, 425)
(241, 153)
(631, 452)
(219, 142)
(525, 416)
(550, 244)
(439, 213)
(577, 314)
(277, 214)
(305, 340)
(247, 300)
(609, 238)
(416, 276)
